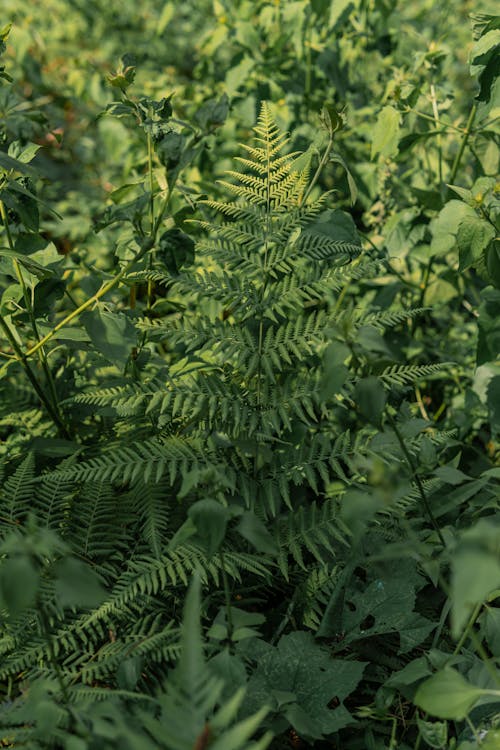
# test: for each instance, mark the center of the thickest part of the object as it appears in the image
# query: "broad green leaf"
(16, 165)
(176, 250)
(386, 133)
(212, 113)
(77, 585)
(254, 531)
(370, 397)
(450, 475)
(485, 47)
(338, 9)
(493, 402)
(211, 519)
(488, 345)
(413, 672)
(112, 334)
(473, 237)
(24, 154)
(447, 695)
(444, 227)
(491, 620)
(300, 667)
(335, 372)
(475, 574)
(19, 582)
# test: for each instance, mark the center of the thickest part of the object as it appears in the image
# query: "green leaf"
(254, 531)
(339, 10)
(434, 733)
(475, 574)
(493, 402)
(488, 345)
(303, 670)
(19, 582)
(238, 75)
(386, 133)
(77, 585)
(447, 695)
(212, 114)
(112, 334)
(176, 250)
(211, 519)
(24, 154)
(350, 179)
(445, 226)
(370, 397)
(335, 373)
(473, 237)
(450, 475)
(10, 164)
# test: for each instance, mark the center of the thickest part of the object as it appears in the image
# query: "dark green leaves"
(176, 250)
(210, 520)
(19, 581)
(300, 680)
(335, 372)
(77, 585)
(213, 113)
(370, 397)
(112, 334)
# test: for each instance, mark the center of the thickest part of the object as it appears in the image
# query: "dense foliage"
(249, 375)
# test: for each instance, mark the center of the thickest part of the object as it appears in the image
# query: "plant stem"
(95, 297)
(418, 481)
(151, 216)
(467, 132)
(227, 596)
(444, 125)
(317, 174)
(31, 313)
(22, 358)
(435, 112)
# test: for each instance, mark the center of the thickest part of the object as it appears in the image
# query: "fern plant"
(227, 463)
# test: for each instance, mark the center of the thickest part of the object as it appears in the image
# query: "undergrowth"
(249, 455)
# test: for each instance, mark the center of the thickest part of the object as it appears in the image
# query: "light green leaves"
(473, 237)
(385, 136)
(475, 572)
(448, 695)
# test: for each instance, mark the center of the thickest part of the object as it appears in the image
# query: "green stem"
(467, 132)
(321, 165)
(227, 596)
(92, 300)
(22, 358)
(418, 481)
(435, 112)
(444, 125)
(151, 216)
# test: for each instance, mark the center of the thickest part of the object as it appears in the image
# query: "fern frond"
(153, 458)
(312, 528)
(408, 374)
(17, 492)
